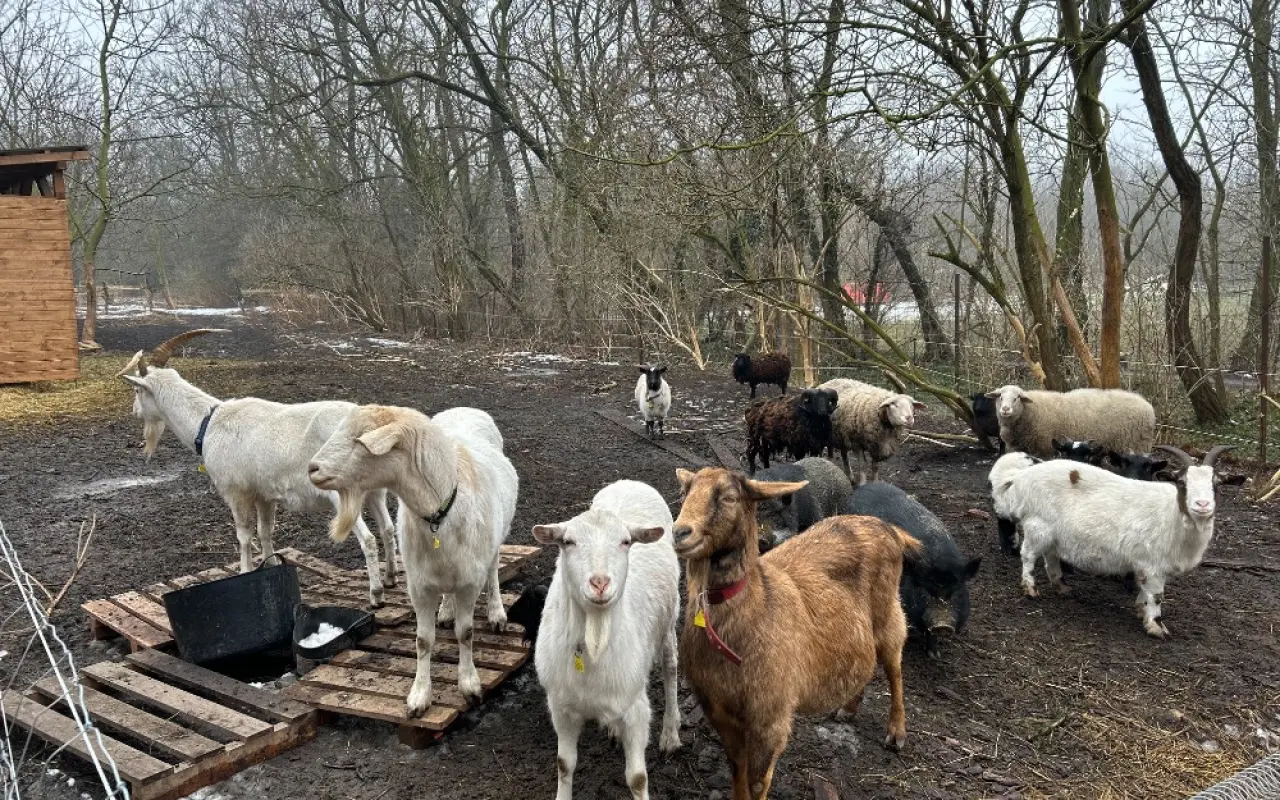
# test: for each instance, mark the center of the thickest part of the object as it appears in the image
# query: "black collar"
(204, 427)
(437, 518)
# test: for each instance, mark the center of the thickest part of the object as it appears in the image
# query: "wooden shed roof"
(42, 155)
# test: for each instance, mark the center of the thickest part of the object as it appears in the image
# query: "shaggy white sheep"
(610, 610)
(870, 421)
(1110, 418)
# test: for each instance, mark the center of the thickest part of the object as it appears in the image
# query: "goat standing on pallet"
(255, 452)
(797, 630)
(457, 499)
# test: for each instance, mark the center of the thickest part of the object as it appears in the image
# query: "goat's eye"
(626, 543)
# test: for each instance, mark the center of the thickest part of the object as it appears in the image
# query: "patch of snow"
(257, 685)
(127, 310)
(3, 653)
(607, 364)
(104, 486)
(386, 342)
(324, 634)
(551, 358)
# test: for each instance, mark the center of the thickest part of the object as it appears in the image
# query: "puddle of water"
(104, 486)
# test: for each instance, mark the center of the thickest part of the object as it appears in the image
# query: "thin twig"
(82, 557)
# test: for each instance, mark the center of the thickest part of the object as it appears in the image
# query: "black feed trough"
(237, 616)
(355, 624)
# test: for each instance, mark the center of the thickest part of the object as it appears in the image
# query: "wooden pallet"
(139, 616)
(373, 680)
(171, 727)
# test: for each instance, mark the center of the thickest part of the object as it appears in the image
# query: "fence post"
(1264, 351)
(955, 336)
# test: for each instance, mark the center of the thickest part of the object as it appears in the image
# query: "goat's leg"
(266, 527)
(494, 610)
(568, 727)
(763, 750)
(635, 737)
(424, 609)
(1031, 549)
(376, 502)
(369, 546)
(242, 511)
(889, 654)
(463, 629)
(1053, 568)
(875, 468)
(1151, 593)
(670, 737)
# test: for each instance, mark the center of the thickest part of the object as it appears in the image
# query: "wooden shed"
(37, 287)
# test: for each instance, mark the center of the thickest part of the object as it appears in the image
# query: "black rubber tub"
(237, 616)
(355, 625)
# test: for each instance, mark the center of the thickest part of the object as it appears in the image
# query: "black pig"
(934, 587)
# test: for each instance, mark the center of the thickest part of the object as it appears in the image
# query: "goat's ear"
(643, 535)
(549, 534)
(767, 490)
(379, 441)
(685, 477)
(971, 569)
(991, 395)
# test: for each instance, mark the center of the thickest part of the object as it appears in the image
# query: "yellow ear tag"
(577, 663)
(201, 467)
(699, 621)
(435, 543)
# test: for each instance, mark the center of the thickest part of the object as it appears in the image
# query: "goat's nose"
(313, 468)
(599, 584)
(681, 532)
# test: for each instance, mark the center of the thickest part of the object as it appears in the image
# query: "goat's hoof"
(389, 580)
(669, 742)
(1030, 590)
(413, 712)
(1157, 629)
(498, 625)
(1062, 589)
(894, 741)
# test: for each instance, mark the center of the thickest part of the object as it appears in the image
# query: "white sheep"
(457, 499)
(870, 421)
(1110, 418)
(255, 453)
(1108, 525)
(653, 397)
(611, 608)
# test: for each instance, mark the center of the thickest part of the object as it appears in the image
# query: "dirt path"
(1056, 697)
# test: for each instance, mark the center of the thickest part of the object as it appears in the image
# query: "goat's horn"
(1187, 461)
(139, 360)
(1214, 452)
(160, 355)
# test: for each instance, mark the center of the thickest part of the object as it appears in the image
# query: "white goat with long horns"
(255, 451)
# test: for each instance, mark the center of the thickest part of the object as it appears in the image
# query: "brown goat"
(799, 629)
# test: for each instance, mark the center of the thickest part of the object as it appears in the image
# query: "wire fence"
(1258, 782)
(41, 653)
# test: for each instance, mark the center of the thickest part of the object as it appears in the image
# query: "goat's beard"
(151, 433)
(598, 624)
(350, 505)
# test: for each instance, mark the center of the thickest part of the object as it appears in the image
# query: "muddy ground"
(1061, 696)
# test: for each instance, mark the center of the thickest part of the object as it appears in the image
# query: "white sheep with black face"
(457, 499)
(653, 398)
(255, 452)
(610, 611)
(1104, 524)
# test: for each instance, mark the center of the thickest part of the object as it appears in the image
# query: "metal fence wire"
(1259, 782)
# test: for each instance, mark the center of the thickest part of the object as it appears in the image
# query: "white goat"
(611, 607)
(255, 452)
(653, 397)
(1108, 525)
(457, 499)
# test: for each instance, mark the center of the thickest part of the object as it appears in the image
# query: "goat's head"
(147, 380)
(1197, 483)
(1087, 451)
(380, 447)
(899, 411)
(819, 402)
(717, 522)
(1009, 400)
(595, 549)
(652, 376)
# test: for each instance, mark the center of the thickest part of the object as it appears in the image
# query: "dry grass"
(97, 392)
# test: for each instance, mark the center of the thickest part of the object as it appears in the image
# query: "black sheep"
(799, 425)
(527, 611)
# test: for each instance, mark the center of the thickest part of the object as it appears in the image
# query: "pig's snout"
(940, 619)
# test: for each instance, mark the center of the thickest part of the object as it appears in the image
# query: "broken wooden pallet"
(622, 420)
(373, 680)
(169, 726)
(139, 615)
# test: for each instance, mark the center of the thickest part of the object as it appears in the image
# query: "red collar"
(717, 596)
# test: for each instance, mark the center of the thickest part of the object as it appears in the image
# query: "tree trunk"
(1088, 76)
(1069, 241)
(1206, 402)
(1264, 125)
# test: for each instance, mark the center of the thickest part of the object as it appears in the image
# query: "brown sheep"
(764, 368)
(799, 629)
(799, 425)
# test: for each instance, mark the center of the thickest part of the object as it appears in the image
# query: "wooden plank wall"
(37, 292)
